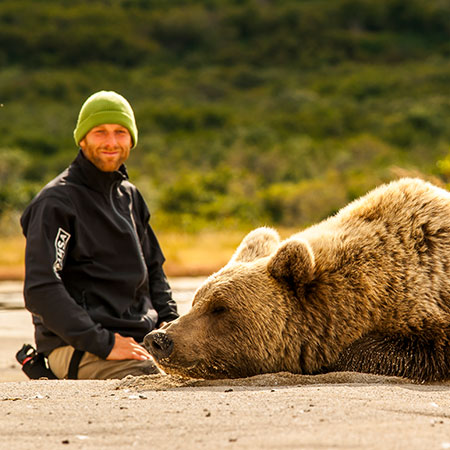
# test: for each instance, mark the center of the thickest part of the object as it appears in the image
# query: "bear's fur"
(365, 290)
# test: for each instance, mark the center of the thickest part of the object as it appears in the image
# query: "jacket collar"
(88, 174)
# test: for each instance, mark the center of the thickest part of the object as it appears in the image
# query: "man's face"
(107, 146)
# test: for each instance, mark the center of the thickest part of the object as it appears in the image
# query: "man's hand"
(127, 348)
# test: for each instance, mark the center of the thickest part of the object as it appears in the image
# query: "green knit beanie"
(105, 107)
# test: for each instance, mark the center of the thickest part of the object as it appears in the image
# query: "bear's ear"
(293, 263)
(257, 244)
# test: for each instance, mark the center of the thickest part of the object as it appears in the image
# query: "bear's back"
(408, 199)
(393, 242)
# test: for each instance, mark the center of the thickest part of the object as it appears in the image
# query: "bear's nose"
(158, 344)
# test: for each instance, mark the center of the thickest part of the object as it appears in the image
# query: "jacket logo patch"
(62, 238)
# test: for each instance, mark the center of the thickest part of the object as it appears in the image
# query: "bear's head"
(243, 318)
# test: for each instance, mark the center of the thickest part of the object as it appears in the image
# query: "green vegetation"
(250, 112)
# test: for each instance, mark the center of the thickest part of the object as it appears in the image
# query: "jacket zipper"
(133, 232)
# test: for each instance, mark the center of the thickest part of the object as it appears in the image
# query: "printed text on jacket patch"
(62, 238)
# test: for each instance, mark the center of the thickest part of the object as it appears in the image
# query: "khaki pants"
(92, 367)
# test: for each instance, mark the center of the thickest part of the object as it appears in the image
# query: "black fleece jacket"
(93, 264)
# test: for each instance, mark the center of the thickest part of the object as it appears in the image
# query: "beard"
(106, 159)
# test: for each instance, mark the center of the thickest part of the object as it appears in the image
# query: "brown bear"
(366, 290)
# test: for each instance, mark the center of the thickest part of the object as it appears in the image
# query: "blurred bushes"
(15, 190)
(134, 33)
(249, 112)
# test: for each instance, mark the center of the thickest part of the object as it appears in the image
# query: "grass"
(198, 254)
(12, 257)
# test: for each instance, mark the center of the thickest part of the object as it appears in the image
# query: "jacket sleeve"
(160, 292)
(49, 229)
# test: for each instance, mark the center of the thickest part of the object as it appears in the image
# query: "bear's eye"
(217, 310)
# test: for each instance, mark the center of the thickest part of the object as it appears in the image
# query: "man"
(94, 281)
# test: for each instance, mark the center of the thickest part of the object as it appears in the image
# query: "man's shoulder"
(53, 196)
(58, 193)
(58, 187)
(130, 187)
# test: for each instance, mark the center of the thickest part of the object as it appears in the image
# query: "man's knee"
(59, 361)
(91, 367)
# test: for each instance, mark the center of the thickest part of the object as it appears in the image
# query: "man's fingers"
(141, 352)
(127, 348)
(136, 350)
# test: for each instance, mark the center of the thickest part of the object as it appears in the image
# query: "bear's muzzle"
(158, 344)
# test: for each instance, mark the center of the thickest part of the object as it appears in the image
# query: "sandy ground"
(285, 411)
